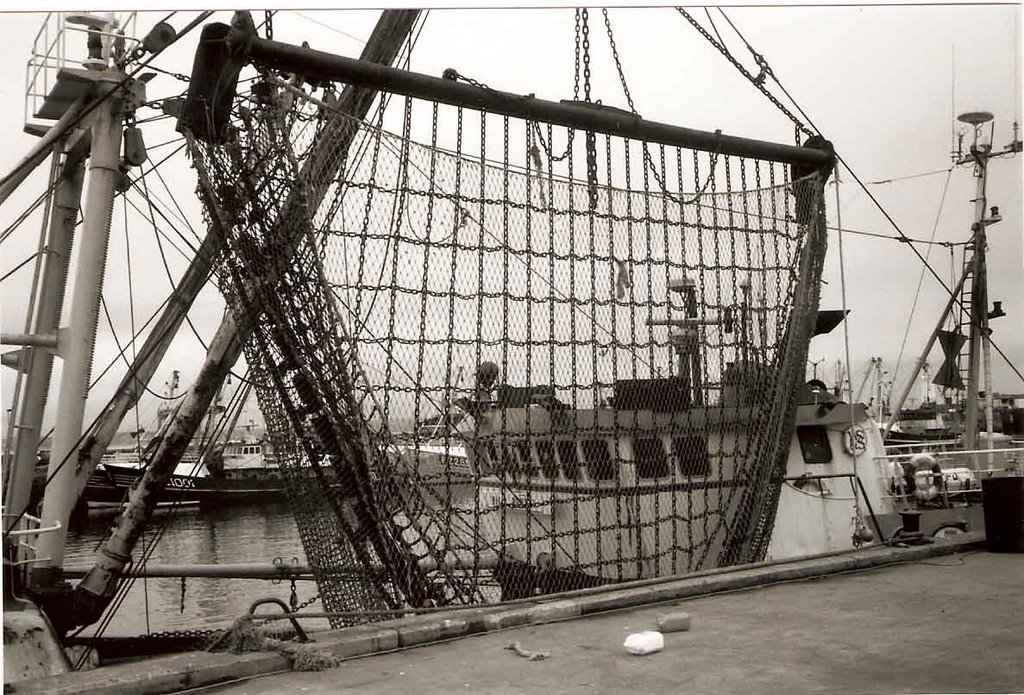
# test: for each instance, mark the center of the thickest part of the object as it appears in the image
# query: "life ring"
(855, 440)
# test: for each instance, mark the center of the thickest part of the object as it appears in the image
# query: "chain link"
(305, 604)
(576, 74)
(648, 160)
(585, 24)
(176, 75)
(618, 63)
(756, 81)
(454, 75)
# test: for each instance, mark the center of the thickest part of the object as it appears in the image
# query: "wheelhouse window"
(599, 460)
(546, 456)
(527, 467)
(569, 459)
(692, 456)
(814, 444)
(649, 457)
(498, 460)
(482, 459)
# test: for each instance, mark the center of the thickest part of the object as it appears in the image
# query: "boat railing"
(916, 447)
(28, 529)
(51, 52)
(960, 477)
(1009, 455)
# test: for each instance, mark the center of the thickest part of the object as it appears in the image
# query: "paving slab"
(950, 624)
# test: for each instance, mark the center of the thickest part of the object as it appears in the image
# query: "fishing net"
(500, 358)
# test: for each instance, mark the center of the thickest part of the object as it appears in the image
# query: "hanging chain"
(576, 78)
(648, 160)
(591, 138)
(585, 23)
(268, 24)
(618, 63)
(575, 95)
(758, 81)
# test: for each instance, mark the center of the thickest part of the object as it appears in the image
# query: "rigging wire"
(902, 237)
(124, 358)
(336, 30)
(908, 177)
(170, 279)
(920, 278)
(21, 265)
(86, 431)
(763, 66)
(167, 238)
(181, 213)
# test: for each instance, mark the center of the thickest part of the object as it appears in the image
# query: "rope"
(846, 350)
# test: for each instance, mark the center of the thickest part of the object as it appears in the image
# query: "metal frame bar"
(855, 482)
(315, 65)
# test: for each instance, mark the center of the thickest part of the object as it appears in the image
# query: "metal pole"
(878, 388)
(979, 302)
(864, 381)
(898, 406)
(318, 64)
(94, 592)
(41, 149)
(76, 346)
(39, 361)
(987, 362)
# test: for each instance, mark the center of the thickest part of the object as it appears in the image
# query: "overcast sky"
(877, 81)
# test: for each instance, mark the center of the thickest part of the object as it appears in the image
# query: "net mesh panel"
(490, 370)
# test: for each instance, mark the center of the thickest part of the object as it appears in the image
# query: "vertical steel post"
(97, 588)
(38, 363)
(979, 304)
(78, 341)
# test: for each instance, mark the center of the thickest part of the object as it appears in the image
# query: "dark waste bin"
(1003, 499)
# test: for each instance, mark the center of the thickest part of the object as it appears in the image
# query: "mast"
(37, 362)
(979, 343)
(96, 590)
(77, 341)
(978, 350)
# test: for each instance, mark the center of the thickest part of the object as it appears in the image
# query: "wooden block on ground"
(673, 622)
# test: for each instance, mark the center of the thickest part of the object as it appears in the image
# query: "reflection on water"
(231, 535)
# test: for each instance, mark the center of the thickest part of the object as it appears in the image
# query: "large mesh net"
(500, 358)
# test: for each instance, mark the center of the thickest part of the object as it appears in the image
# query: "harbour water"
(250, 534)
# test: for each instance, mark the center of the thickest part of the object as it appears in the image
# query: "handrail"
(38, 530)
(946, 454)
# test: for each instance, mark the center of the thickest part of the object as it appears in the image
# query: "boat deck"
(947, 624)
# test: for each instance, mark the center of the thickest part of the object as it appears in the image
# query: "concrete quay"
(946, 618)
